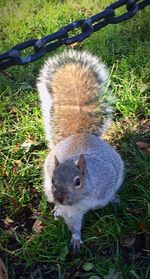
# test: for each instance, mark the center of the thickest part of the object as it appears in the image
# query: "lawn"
(116, 240)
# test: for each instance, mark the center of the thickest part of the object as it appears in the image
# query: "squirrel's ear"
(81, 164)
(56, 161)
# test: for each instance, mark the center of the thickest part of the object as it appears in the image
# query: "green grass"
(115, 239)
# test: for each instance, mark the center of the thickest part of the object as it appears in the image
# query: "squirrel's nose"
(59, 196)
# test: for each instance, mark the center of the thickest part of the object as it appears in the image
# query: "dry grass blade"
(37, 226)
(3, 270)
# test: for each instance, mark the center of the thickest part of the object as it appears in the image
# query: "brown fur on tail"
(74, 89)
(72, 96)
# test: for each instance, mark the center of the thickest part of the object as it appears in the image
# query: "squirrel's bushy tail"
(72, 96)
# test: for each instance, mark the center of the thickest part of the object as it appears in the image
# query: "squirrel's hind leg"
(116, 200)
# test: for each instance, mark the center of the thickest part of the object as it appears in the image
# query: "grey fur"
(104, 175)
(83, 158)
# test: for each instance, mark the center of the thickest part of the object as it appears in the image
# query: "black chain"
(61, 37)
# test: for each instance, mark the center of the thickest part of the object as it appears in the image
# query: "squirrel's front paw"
(75, 243)
(56, 213)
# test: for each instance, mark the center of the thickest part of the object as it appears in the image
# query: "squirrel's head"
(68, 180)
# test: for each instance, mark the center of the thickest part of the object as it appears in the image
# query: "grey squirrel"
(82, 171)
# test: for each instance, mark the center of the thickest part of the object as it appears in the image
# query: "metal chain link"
(61, 37)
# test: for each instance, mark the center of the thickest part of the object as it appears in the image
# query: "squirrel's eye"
(77, 181)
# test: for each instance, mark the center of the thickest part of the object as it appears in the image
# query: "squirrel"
(82, 171)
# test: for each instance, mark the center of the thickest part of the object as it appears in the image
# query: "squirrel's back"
(70, 88)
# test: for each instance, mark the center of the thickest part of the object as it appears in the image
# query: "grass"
(115, 239)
